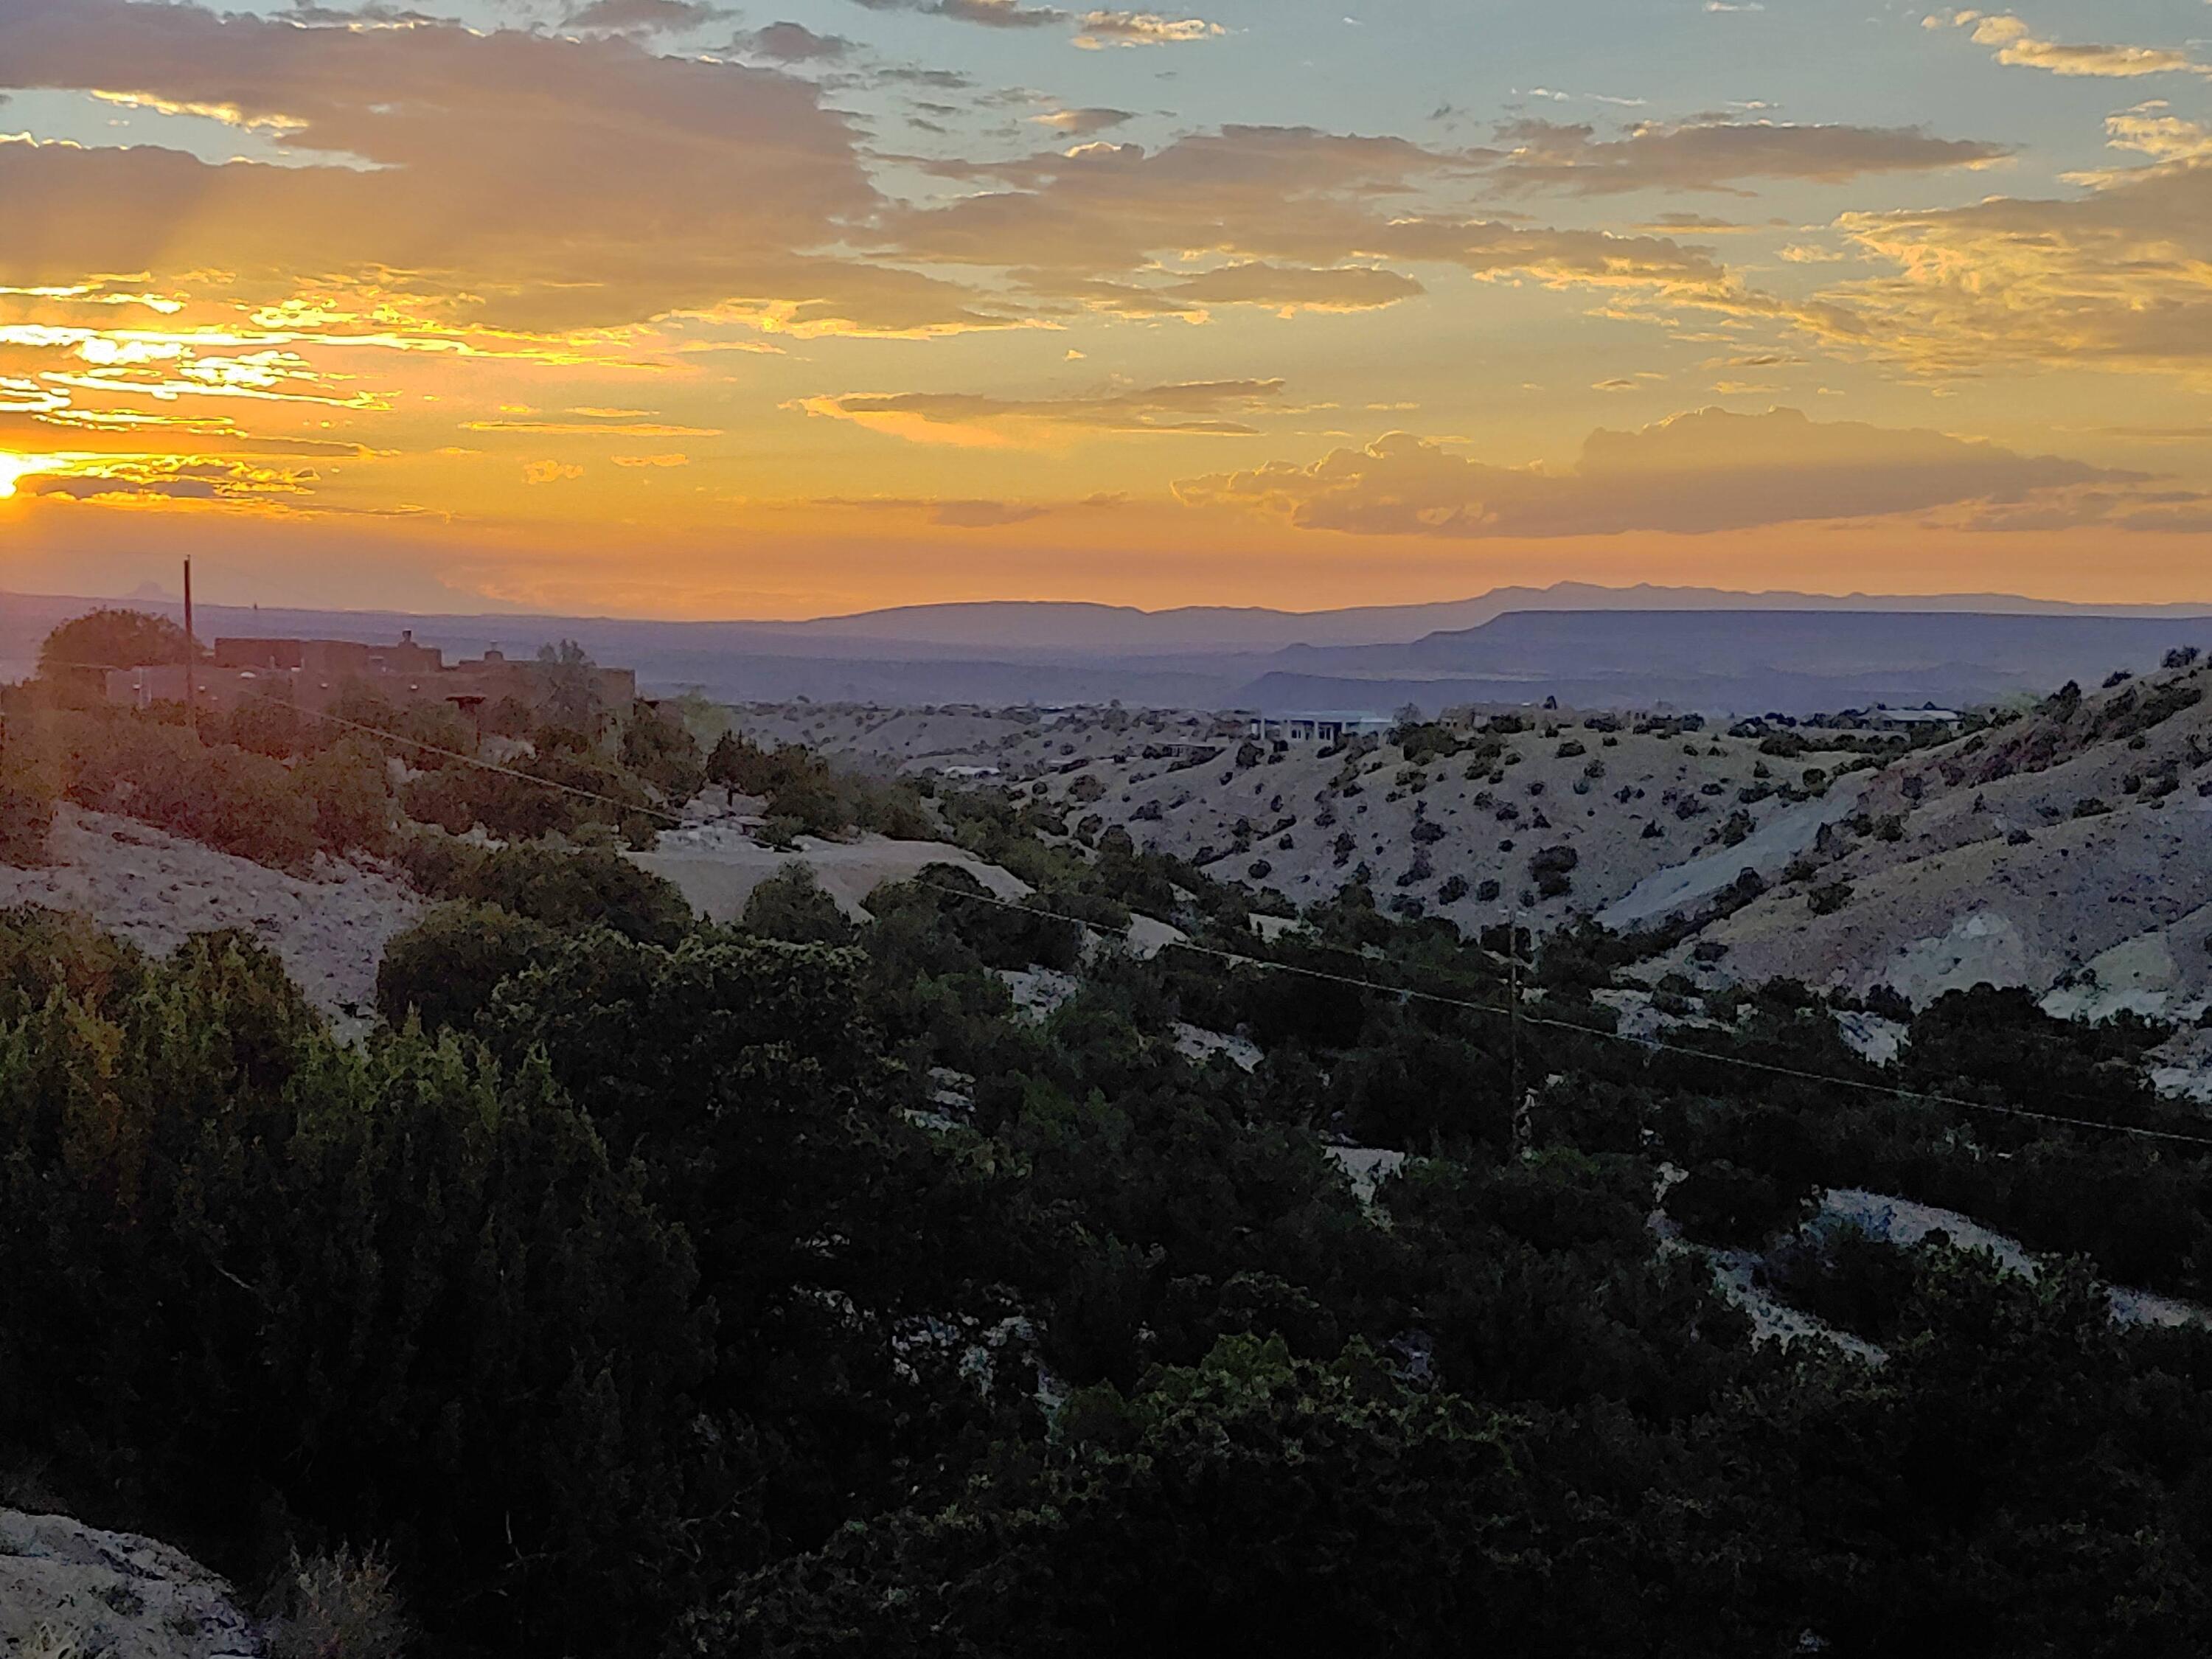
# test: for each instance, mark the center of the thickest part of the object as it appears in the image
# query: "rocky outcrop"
(156, 890)
(69, 1591)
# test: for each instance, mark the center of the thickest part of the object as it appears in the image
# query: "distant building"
(313, 673)
(1881, 718)
(330, 659)
(1323, 729)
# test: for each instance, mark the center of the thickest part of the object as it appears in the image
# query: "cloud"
(1716, 154)
(454, 179)
(651, 460)
(1104, 29)
(984, 514)
(1096, 30)
(970, 513)
(1205, 408)
(991, 14)
(1298, 218)
(1282, 288)
(507, 188)
(1694, 474)
(593, 428)
(1082, 123)
(166, 478)
(645, 16)
(2019, 45)
(2119, 277)
(546, 472)
(2161, 513)
(2171, 142)
(1675, 224)
(794, 43)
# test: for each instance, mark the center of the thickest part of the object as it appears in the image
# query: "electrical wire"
(1235, 959)
(1648, 1044)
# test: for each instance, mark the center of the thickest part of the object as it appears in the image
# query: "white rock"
(67, 1589)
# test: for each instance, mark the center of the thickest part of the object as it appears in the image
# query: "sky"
(669, 308)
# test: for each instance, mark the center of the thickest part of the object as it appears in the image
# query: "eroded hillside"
(1557, 813)
(2070, 851)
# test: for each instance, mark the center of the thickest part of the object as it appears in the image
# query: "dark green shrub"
(791, 906)
(1724, 1203)
(583, 888)
(446, 967)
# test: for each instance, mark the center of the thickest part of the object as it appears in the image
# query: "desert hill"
(2067, 848)
(328, 925)
(2070, 852)
(1467, 828)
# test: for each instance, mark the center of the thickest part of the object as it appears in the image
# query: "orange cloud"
(969, 514)
(509, 178)
(1197, 408)
(1303, 220)
(2118, 278)
(1694, 474)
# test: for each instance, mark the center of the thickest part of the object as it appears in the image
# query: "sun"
(12, 467)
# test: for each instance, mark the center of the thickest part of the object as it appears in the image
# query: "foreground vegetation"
(645, 1287)
(277, 783)
(655, 1288)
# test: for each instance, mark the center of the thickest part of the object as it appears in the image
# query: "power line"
(466, 759)
(505, 771)
(1513, 1013)
(1650, 1044)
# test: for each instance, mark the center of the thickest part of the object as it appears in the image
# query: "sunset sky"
(666, 307)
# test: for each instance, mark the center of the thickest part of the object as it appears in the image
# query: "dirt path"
(717, 865)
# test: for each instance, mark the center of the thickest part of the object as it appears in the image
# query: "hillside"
(2067, 850)
(329, 927)
(708, 1287)
(2070, 850)
(1456, 831)
(1048, 1206)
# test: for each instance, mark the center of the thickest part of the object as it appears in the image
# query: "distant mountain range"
(1702, 648)
(1059, 627)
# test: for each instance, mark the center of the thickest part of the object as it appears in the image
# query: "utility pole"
(1513, 1000)
(192, 657)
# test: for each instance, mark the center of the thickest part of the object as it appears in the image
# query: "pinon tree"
(112, 637)
(285, 1288)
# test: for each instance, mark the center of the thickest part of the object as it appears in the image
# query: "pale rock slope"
(156, 890)
(70, 1591)
(1305, 821)
(2069, 851)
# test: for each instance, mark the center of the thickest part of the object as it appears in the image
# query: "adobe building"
(315, 673)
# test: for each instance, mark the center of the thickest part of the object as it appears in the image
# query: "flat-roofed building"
(1323, 729)
(315, 673)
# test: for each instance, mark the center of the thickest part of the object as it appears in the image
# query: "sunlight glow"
(12, 467)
